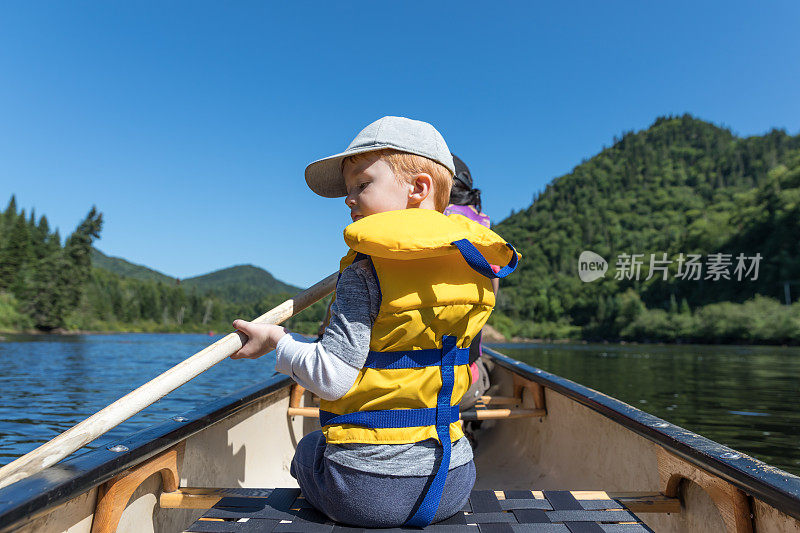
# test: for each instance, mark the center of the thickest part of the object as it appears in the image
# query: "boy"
(392, 363)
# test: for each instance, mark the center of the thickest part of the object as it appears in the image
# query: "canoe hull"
(586, 441)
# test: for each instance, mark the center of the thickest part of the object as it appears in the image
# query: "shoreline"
(75, 332)
(491, 336)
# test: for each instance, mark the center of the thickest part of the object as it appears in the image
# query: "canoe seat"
(285, 509)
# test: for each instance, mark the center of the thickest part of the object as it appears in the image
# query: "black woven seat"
(285, 510)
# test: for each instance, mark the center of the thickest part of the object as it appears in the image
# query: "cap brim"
(325, 177)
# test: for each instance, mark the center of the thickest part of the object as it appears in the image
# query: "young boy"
(392, 363)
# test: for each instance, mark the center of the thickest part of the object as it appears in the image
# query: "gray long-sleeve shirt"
(329, 369)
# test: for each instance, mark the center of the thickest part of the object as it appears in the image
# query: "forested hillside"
(241, 283)
(126, 269)
(683, 186)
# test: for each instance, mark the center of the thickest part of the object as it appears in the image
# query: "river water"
(745, 397)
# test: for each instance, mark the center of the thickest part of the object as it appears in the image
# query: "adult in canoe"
(466, 200)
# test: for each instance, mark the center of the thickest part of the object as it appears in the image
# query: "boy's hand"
(257, 339)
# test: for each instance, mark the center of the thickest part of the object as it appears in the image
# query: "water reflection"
(746, 397)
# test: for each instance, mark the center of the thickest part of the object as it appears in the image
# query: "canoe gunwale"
(30, 497)
(769, 484)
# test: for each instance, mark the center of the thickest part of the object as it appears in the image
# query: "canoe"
(538, 432)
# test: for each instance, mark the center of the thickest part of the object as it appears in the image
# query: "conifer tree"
(46, 298)
(14, 253)
(10, 214)
(78, 256)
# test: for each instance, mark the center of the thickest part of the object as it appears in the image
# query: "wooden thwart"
(647, 502)
(200, 497)
(311, 412)
(480, 414)
(500, 400)
(528, 402)
(496, 414)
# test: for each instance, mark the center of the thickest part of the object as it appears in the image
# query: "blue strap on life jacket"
(413, 358)
(388, 418)
(440, 416)
(430, 502)
(479, 263)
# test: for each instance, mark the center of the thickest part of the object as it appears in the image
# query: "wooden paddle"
(78, 436)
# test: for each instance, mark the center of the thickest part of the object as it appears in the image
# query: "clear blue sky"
(189, 124)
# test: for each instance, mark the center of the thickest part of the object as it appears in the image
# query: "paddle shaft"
(109, 417)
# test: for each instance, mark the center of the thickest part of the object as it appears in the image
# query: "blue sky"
(189, 124)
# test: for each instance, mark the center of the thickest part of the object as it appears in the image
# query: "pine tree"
(14, 253)
(78, 256)
(46, 299)
(39, 233)
(10, 214)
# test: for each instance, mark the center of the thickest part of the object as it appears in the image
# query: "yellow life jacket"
(430, 297)
(433, 272)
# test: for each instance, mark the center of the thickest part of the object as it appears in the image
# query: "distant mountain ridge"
(240, 283)
(126, 269)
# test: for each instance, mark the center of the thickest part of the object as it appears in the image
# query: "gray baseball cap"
(325, 178)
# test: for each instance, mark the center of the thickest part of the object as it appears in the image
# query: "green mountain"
(126, 269)
(681, 186)
(241, 283)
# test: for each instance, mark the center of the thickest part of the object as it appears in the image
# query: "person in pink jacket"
(466, 200)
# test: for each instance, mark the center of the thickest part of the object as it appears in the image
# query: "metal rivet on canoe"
(659, 425)
(730, 455)
(180, 419)
(119, 448)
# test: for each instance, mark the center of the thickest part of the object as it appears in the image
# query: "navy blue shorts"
(365, 499)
